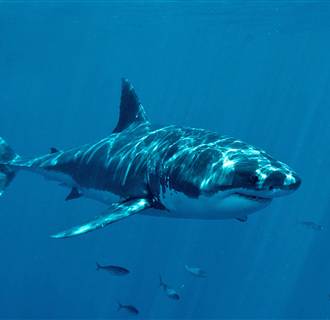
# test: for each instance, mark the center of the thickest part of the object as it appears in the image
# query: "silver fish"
(128, 307)
(170, 292)
(115, 270)
(312, 225)
(195, 271)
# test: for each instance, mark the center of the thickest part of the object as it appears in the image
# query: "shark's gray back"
(192, 173)
(142, 161)
(138, 160)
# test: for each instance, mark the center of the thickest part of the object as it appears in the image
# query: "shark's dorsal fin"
(131, 110)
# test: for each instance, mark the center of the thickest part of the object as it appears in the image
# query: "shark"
(165, 171)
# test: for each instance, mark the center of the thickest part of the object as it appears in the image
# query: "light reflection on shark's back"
(167, 171)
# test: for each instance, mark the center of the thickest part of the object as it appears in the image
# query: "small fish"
(170, 292)
(115, 270)
(312, 225)
(197, 272)
(128, 307)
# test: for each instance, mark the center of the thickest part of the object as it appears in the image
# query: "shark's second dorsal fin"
(131, 110)
(53, 150)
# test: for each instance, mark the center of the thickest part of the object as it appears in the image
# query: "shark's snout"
(282, 180)
(292, 182)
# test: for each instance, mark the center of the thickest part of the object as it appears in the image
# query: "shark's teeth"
(253, 197)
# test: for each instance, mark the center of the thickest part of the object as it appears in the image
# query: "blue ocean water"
(258, 71)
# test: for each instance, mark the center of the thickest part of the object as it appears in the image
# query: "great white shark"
(168, 171)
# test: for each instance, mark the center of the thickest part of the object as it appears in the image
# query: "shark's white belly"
(219, 206)
(66, 181)
(180, 206)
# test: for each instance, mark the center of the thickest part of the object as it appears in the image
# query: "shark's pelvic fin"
(131, 110)
(117, 212)
(74, 194)
(242, 219)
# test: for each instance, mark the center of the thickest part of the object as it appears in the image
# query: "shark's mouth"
(253, 197)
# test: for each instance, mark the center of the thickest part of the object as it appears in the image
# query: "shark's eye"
(254, 179)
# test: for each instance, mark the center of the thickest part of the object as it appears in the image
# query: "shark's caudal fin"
(161, 282)
(131, 110)
(7, 173)
(119, 305)
(98, 266)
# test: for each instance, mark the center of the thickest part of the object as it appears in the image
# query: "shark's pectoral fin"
(117, 212)
(74, 194)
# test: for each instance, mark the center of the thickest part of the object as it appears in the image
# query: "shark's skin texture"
(141, 160)
(169, 168)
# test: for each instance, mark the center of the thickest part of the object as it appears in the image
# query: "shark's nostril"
(294, 182)
(297, 183)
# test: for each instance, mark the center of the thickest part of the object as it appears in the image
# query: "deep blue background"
(259, 71)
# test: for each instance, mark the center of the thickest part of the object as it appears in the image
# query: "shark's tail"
(7, 173)
(161, 282)
(98, 266)
(119, 305)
